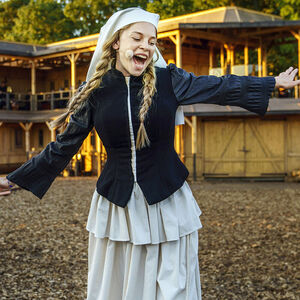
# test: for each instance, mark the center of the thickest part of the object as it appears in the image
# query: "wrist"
(277, 85)
(9, 183)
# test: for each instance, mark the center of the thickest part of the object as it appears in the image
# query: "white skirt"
(144, 252)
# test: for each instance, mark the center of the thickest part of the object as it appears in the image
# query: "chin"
(137, 73)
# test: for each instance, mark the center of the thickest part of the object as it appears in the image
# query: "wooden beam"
(26, 127)
(232, 58)
(295, 34)
(194, 146)
(173, 39)
(260, 32)
(259, 58)
(52, 130)
(246, 58)
(178, 50)
(211, 36)
(73, 58)
(222, 59)
(166, 34)
(33, 77)
(211, 57)
(264, 60)
(229, 56)
(181, 143)
(187, 120)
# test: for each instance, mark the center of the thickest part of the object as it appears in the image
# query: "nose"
(144, 44)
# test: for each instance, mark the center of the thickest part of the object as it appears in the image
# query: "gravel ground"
(248, 246)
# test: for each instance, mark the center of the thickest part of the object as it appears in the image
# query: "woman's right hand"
(5, 183)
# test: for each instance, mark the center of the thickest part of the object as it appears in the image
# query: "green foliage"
(171, 8)
(41, 21)
(8, 13)
(280, 57)
(88, 16)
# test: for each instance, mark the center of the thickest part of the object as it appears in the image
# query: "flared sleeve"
(249, 92)
(38, 173)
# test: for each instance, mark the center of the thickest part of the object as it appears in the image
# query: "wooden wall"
(244, 147)
(59, 75)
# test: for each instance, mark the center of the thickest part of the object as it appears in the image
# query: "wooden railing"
(33, 102)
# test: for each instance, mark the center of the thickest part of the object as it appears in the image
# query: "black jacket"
(159, 170)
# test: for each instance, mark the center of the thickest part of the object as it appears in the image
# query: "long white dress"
(144, 252)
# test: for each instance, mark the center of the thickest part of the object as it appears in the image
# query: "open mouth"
(139, 59)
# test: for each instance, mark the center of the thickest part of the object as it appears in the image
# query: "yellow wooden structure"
(230, 145)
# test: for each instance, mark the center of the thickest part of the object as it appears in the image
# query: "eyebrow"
(140, 33)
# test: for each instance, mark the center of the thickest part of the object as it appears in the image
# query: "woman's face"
(140, 40)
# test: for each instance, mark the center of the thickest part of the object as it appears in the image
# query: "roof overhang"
(40, 116)
(265, 24)
(283, 106)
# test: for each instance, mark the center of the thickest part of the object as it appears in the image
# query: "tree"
(8, 12)
(171, 8)
(89, 15)
(41, 21)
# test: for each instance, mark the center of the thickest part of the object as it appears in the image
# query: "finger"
(293, 73)
(289, 70)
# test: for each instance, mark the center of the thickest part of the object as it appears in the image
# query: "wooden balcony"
(35, 102)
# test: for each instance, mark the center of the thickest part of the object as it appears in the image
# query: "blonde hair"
(105, 63)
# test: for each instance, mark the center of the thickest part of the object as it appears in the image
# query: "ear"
(116, 45)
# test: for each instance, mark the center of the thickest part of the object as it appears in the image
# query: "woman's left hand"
(286, 79)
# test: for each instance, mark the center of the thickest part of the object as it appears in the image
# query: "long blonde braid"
(105, 63)
(149, 89)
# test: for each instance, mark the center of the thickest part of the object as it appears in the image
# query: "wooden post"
(26, 127)
(264, 61)
(73, 58)
(182, 157)
(232, 60)
(52, 130)
(229, 57)
(211, 57)
(178, 50)
(259, 58)
(33, 77)
(194, 146)
(246, 58)
(1, 124)
(98, 147)
(33, 104)
(222, 59)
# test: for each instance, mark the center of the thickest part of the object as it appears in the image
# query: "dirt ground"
(249, 246)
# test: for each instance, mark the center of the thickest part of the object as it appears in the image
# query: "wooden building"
(214, 141)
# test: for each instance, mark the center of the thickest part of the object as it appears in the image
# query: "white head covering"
(116, 22)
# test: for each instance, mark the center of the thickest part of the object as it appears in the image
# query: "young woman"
(143, 221)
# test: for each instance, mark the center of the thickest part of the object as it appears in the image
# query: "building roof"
(29, 116)
(220, 15)
(282, 106)
(29, 50)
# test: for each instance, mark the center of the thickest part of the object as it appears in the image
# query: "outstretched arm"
(249, 92)
(38, 173)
